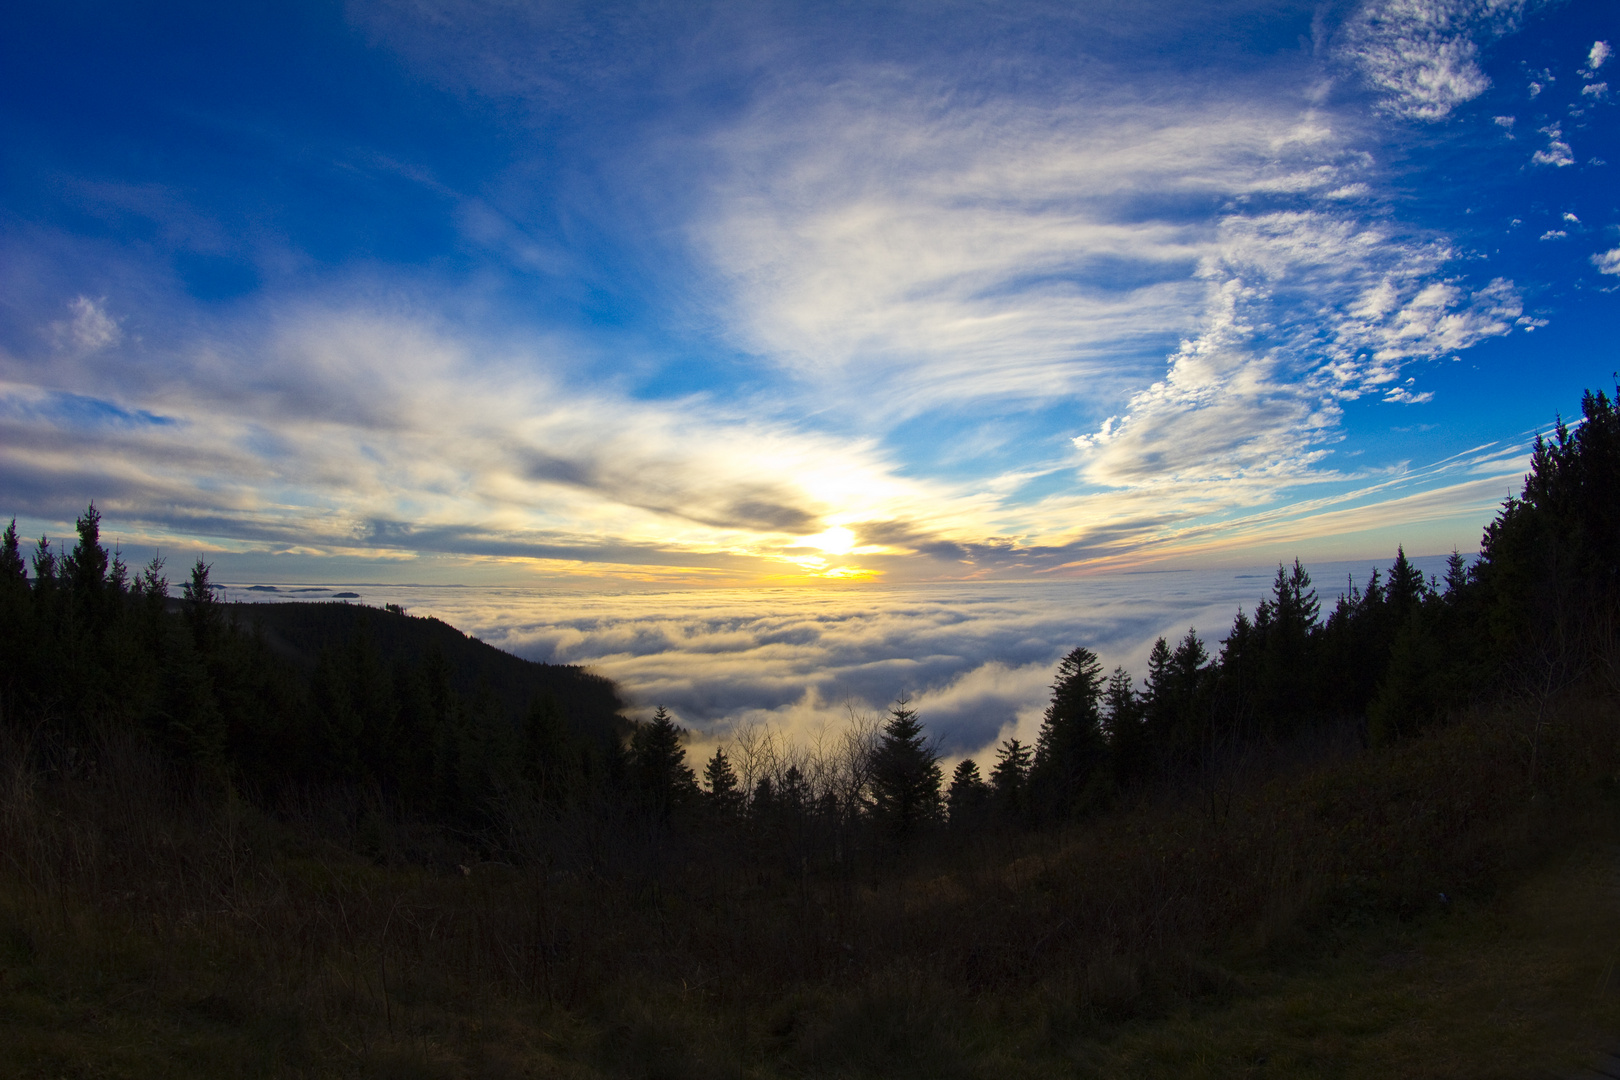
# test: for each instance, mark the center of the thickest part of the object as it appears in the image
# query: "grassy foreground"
(1290, 926)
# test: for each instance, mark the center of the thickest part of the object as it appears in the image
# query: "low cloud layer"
(977, 661)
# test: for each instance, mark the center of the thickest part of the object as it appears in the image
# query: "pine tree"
(151, 582)
(1188, 664)
(1177, 698)
(659, 774)
(967, 796)
(1457, 577)
(1406, 588)
(12, 569)
(1070, 750)
(46, 590)
(1009, 781)
(1285, 686)
(1122, 718)
(202, 608)
(86, 567)
(1159, 701)
(794, 795)
(762, 802)
(13, 582)
(1549, 564)
(16, 635)
(905, 774)
(724, 791)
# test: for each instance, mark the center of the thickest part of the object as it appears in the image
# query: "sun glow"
(849, 573)
(835, 541)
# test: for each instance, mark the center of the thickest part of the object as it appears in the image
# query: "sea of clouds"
(976, 660)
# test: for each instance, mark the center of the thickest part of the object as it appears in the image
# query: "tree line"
(86, 640)
(87, 644)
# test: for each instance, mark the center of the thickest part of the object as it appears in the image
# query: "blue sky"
(742, 293)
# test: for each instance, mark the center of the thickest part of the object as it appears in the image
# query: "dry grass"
(1520, 987)
(148, 928)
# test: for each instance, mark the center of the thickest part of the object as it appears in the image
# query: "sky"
(606, 295)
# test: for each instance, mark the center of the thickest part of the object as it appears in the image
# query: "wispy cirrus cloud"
(894, 259)
(1252, 400)
(1423, 56)
(931, 253)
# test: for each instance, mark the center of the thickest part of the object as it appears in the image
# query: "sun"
(835, 541)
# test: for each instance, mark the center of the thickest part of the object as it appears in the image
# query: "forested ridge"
(271, 699)
(398, 835)
(272, 696)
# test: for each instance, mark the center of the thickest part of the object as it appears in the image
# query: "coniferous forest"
(329, 839)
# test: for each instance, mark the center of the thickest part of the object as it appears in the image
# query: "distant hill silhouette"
(300, 632)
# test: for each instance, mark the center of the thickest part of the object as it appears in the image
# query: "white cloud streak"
(1249, 403)
(916, 254)
(1422, 56)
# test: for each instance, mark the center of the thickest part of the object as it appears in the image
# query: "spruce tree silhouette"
(724, 790)
(1070, 749)
(905, 774)
(658, 769)
(968, 795)
(1122, 718)
(1009, 781)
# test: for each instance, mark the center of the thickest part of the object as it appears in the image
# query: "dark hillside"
(302, 632)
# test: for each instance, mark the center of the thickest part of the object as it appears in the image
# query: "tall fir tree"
(85, 568)
(202, 608)
(1406, 589)
(1159, 699)
(662, 780)
(905, 774)
(723, 788)
(1071, 750)
(1122, 720)
(968, 797)
(1009, 781)
(1284, 690)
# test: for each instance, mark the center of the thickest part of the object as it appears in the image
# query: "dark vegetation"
(323, 701)
(327, 839)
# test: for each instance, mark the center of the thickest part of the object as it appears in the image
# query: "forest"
(218, 779)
